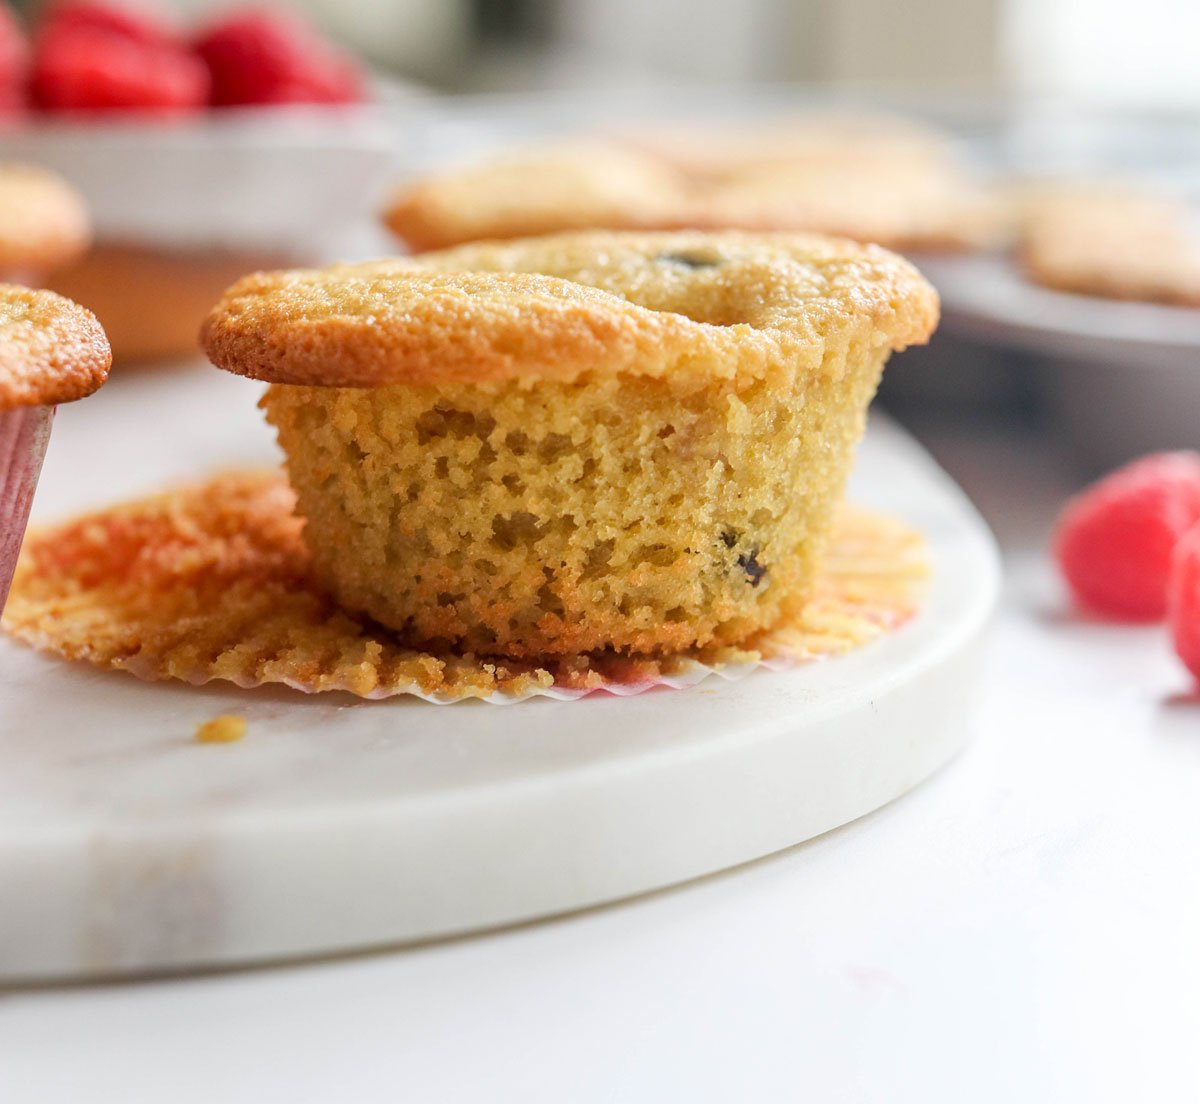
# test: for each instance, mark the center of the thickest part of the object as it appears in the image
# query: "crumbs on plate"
(225, 729)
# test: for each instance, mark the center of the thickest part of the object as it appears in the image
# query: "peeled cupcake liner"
(211, 581)
(692, 672)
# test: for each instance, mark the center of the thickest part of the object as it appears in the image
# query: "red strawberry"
(1115, 540)
(137, 23)
(14, 63)
(1183, 600)
(272, 57)
(78, 67)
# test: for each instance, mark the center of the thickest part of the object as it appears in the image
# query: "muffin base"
(634, 514)
(212, 581)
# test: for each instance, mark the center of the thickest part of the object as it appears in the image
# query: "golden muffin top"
(43, 222)
(559, 307)
(51, 349)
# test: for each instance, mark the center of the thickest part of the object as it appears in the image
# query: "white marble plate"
(336, 824)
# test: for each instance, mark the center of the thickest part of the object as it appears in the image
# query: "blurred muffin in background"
(817, 137)
(150, 299)
(43, 224)
(202, 153)
(871, 179)
(571, 185)
(1110, 240)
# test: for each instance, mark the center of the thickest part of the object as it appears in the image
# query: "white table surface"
(1023, 927)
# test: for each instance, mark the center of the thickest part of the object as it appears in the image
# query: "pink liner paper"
(24, 434)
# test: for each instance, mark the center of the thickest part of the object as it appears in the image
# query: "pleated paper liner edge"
(210, 581)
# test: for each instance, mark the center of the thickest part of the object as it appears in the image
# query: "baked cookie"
(1109, 241)
(574, 443)
(43, 223)
(898, 193)
(51, 351)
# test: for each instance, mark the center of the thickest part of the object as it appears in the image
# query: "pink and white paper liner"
(24, 434)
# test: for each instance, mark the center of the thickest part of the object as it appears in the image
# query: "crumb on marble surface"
(225, 729)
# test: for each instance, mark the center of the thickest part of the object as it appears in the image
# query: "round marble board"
(127, 847)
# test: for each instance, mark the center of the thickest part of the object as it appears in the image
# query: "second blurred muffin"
(871, 179)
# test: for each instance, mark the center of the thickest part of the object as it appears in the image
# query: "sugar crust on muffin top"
(51, 349)
(662, 304)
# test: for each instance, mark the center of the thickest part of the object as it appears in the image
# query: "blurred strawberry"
(138, 23)
(14, 63)
(272, 57)
(1183, 600)
(1115, 541)
(78, 66)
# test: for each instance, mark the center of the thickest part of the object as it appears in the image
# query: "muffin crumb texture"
(212, 581)
(614, 512)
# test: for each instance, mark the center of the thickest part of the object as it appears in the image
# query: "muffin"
(824, 136)
(43, 223)
(577, 443)
(867, 183)
(51, 351)
(1112, 241)
(568, 186)
(152, 299)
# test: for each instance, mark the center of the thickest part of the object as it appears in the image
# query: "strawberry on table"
(1115, 541)
(264, 56)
